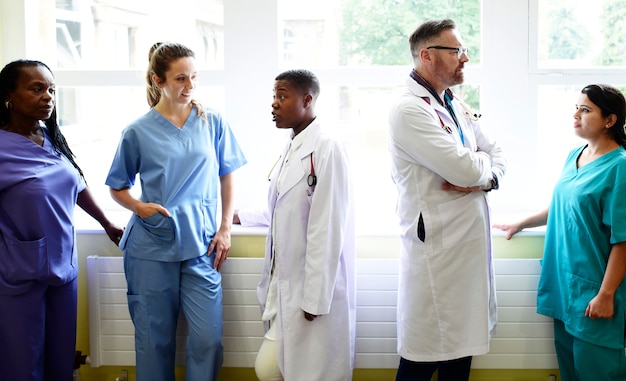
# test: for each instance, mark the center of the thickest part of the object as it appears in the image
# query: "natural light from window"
(528, 61)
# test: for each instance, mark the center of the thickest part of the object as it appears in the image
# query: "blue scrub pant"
(583, 361)
(38, 333)
(156, 293)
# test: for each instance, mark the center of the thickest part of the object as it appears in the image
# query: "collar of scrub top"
(446, 102)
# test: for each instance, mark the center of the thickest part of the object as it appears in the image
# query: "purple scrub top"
(39, 188)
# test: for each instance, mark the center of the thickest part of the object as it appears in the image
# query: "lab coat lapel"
(300, 168)
(440, 114)
(447, 121)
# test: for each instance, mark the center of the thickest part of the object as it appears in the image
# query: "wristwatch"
(494, 182)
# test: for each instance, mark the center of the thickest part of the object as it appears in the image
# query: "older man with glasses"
(444, 164)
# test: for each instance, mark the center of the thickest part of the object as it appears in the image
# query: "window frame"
(508, 76)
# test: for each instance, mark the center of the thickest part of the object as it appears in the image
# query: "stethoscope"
(311, 179)
(469, 113)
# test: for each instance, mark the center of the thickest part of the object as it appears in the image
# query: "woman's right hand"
(538, 219)
(147, 209)
(140, 208)
(509, 229)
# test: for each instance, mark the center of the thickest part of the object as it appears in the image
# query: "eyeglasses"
(459, 51)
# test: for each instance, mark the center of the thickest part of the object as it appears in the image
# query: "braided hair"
(8, 83)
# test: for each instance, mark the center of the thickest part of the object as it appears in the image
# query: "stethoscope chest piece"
(311, 179)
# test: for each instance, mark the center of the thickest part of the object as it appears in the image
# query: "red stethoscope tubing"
(312, 179)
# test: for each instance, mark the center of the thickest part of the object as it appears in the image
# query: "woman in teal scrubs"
(581, 284)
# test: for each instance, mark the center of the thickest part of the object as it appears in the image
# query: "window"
(528, 61)
(581, 34)
(117, 34)
(576, 43)
(334, 36)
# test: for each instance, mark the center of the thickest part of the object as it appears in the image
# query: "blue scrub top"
(587, 216)
(38, 192)
(178, 168)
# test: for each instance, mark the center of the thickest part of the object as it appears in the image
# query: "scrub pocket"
(209, 207)
(26, 260)
(604, 332)
(158, 228)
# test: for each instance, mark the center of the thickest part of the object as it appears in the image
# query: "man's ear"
(425, 56)
(308, 98)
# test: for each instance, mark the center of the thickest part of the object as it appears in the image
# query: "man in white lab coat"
(443, 164)
(307, 290)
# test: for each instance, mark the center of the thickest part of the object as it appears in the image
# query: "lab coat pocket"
(159, 228)
(463, 220)
(603, 332)
(26, 260)
(419, 231)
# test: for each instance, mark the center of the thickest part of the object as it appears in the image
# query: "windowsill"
(87, 225)
(244, 231)
(239, 230)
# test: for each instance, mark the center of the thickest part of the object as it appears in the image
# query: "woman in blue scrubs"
(582, 278)
(40, 184)
(185, 155)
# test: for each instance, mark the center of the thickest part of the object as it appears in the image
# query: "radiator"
(524, 339)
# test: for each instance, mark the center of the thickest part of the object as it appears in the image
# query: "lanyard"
(446, 103)
(446, 128)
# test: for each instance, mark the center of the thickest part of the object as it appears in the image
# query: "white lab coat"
(446, 295)
(313, 240)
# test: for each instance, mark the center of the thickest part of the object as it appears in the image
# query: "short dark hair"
(426, 32)
(610, 101)
(303, 80)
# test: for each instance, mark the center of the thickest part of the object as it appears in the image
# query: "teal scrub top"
(587, 216)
